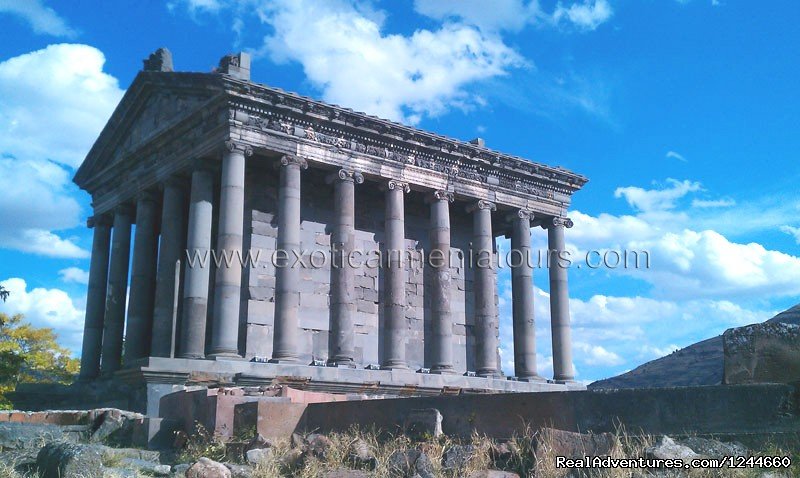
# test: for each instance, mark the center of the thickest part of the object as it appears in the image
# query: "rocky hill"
(698, 364)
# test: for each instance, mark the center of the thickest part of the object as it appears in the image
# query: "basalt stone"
(207, 468)
(409, 463)
(69, 460)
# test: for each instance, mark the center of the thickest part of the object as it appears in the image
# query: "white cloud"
(394, 76)
(713, 203)
(647, 200)
(42, 19)
(674, 155)
(792, 231)
(46, 308)
(587, 15)
(512, 15)
(74, 274)
(53, 104)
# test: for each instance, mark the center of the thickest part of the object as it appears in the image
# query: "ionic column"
(343, 304)
(559, 301)
(96, 298)
(287, 278)
(524, 324)
(439, 260)
(228, 283)
(394, 279)
(484, 288)
(198, 265)
(143, 275)
(117, 291)
(173, 239)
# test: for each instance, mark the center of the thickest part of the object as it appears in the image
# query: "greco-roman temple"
(247, 199)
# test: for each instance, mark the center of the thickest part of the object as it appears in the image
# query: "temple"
(225, 213)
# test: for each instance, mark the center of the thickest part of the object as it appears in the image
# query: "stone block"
(262, 293)
(316, 318)
(762, 353)
(367, 306)
(423, 422)
(259, 340)
(370, 295)
(314, 301)
(366, 282)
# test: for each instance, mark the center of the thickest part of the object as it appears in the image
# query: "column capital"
(481, 204)
(395, 184)
(99, 220)
(292, 160)
(520, 214)
(346, 175)
(239, 147)
(124, 210)
(440, 195)
(174, 182)
(557, 221)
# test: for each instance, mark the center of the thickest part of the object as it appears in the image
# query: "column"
(117, 291)
(96, 297)
(173, 239)
(394, 279)
(143, 275)
(198, 265)
(228, 283)
(559, 301)
(343, 304)
(484, 288)
(287, 278)
(524, 325)
(439, 290)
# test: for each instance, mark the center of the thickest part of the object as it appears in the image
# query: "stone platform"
(140, 387)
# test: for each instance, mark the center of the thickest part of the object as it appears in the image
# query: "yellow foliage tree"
(29, 354)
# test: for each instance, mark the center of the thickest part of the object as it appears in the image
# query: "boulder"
(69, 460)
(575, 445)
(762, 353)
(457, 457)
(318, 445)
(292, 459)
(258, 455)
(423, 423)
(361, 456)
(714, 448)
(409, 463)
(259, 441)
(665, 448)
(147, 467)
(206, 468)
(240, 471)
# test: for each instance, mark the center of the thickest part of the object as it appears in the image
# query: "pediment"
(154, 102)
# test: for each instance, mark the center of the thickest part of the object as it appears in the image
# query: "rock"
(666, 448)
(292, 459)
(575, 445)
(361, 455)
(147, 467)
(344, 473)
(206, 468)
(762, 353)
(240, 471)
(714, 448)
(457, 457)
(258, 455)
(18, 436)
(109, 424)
(318, 445)
(180, 469)
(68, 460)
(115, 454)
(409, 463)
(422, 423)
(492, 474)
(298, 441)
(259, 441)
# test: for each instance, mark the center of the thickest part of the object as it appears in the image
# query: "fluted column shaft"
(117, 290)
(523, 320)
(343, 304)
(228, 283)
(394, 277)
(143, 275)
(96, 298)
(440, 290)
(173, 239)
(559, 302)
(287, 278)
(198, 265)
(484, 288)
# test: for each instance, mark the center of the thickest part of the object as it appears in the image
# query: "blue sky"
(684, 115)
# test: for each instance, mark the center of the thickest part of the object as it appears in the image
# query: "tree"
(4, 293)
(29, 354)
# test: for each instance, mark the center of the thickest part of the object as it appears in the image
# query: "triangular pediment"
(153, 103)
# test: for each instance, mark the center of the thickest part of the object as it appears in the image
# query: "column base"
(223, 355)
(443, 370)
(532, 379)
(487, 373)
(395, 366)
(286, 360)
(342, 362)
(192, 356)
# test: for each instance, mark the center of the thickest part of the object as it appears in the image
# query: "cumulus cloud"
(512, 15)
(42, 19)
(713, 203)
(587, 15)
(46, 308)
(647, 200)
(53, 104)
(74, 274)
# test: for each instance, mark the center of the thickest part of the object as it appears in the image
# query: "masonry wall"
(258, 304)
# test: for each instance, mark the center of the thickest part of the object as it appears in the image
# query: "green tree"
(4, 293)
(29, 354)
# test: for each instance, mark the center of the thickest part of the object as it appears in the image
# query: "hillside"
(697, 364)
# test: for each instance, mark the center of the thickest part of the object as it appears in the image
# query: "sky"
(683, 114)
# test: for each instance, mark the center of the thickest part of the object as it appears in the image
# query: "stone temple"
(209, 166)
